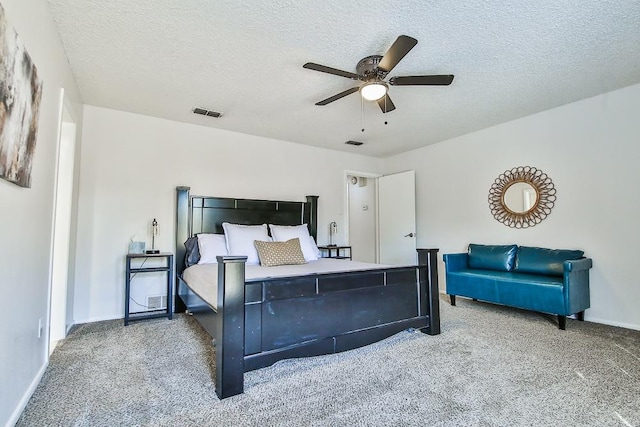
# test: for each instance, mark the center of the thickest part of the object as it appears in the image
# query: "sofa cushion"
(544, 261)
(492, 257)
(482, 277)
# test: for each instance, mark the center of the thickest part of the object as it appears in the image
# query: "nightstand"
(133, 271)
(337, 252)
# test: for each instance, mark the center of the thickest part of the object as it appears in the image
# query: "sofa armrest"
(576, 285)
(578, 264)
(455, 262)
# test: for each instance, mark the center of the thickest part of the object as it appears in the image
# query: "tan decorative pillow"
(280, 253)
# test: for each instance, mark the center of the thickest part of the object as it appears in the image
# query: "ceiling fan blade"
(329, 70)
(435, 80)
(338, 96)
(386, 104)
(396, 52)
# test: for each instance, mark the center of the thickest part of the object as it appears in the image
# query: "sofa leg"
(562, 322)
(452, 298)
(580, 316)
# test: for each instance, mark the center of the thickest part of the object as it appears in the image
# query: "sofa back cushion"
(544, 261)
(492, 257)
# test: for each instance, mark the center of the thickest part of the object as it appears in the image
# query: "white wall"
(131, 165)
(26, 218)
(590, 149)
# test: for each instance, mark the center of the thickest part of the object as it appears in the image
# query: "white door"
(62, 231)
(397, 218)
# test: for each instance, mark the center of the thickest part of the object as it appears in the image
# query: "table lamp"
(333, 229)
(154, 233)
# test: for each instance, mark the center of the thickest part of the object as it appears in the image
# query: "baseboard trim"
(97, 319)
(27, 395)
(613, 323)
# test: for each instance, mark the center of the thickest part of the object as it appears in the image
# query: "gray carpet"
(491, 366)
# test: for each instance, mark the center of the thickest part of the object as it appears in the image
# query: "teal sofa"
(552, 281)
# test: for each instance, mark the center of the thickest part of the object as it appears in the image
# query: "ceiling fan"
(373, 69)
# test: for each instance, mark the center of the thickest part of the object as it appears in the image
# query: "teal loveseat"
(552, 281)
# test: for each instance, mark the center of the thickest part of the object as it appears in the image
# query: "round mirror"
(522, 197)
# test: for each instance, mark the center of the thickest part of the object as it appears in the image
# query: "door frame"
(345, 183)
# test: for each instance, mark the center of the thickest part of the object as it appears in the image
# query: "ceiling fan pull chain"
(362, 113)
(385, 107)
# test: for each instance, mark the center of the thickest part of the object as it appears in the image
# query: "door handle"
(409, 235)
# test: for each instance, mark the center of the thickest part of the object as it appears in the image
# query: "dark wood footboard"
(260, 322)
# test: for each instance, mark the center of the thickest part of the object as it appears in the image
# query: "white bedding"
(203, 278)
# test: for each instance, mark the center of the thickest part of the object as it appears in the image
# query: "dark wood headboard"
(201, 214)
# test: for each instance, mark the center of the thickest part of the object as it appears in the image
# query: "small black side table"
(337, 252)
(132, 271)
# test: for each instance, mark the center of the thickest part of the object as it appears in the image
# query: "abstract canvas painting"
(20, 95)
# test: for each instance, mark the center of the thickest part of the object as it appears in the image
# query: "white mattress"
(203, 278)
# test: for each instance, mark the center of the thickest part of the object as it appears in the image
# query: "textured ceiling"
(510, 59)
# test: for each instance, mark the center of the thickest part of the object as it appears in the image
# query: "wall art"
(20, 95)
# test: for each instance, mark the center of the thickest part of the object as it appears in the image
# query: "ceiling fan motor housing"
(367, 68)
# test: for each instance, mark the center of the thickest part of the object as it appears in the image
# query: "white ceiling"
(510, 59)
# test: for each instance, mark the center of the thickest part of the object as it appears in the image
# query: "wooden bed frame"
(260, 322)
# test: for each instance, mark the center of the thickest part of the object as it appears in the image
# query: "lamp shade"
(373, 91)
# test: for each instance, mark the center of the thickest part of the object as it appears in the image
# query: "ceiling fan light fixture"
(372, 91)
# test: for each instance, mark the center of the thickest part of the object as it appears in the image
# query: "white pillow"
(240, 240)
(282, 233)
(210, 246)
(314, 247)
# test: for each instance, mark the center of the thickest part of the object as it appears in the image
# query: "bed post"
(182, 226)
(182, 234)
(429, 258)
(313, 217)
(230, 326)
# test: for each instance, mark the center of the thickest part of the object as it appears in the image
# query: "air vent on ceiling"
(204, 112)
(356, 143)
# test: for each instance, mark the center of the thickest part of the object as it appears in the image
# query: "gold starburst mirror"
(522, 197)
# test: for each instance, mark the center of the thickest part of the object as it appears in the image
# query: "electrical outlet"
(40, 328)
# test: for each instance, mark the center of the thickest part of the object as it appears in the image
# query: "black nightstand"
(132, 271)
(337, 252)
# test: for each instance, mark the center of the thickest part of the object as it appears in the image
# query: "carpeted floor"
(491, 366)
